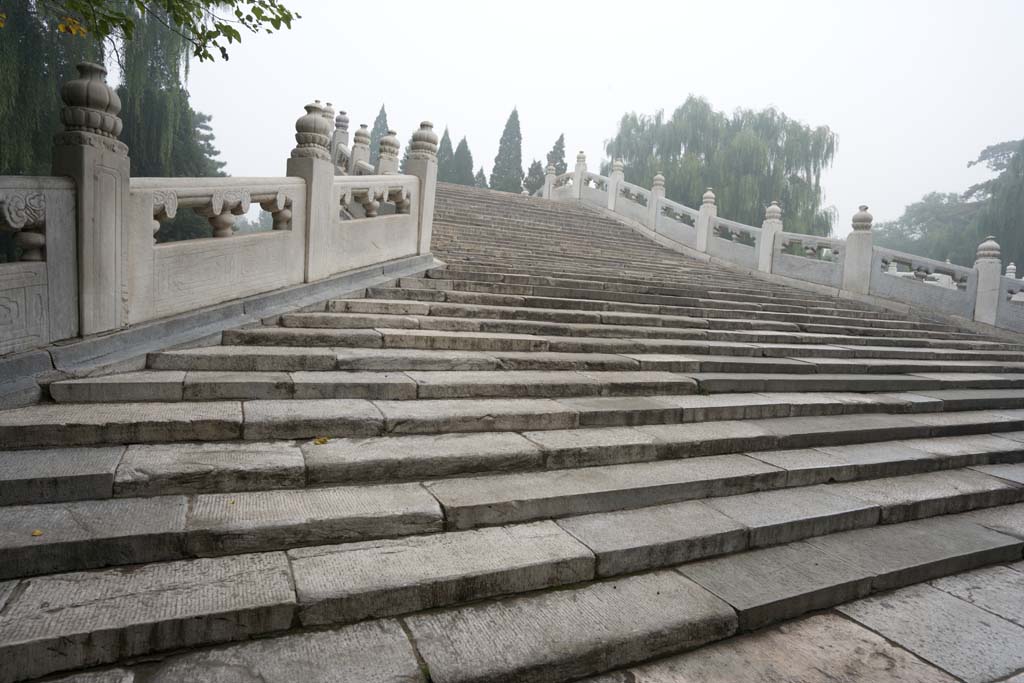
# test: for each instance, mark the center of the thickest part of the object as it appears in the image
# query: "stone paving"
(568, 453)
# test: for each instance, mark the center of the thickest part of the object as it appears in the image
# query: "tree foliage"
(556, 157)
(462, 165)
(379, 130)
(507, 173)
(480, 179)
(750, 158)
(445, 159)
(534, 177)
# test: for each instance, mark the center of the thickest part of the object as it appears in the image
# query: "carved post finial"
(312, 134)
(341, 121)
(581, 158)
(773, 212)
(618, 166)
(989, 248)
(1011, 270)
(90, 105)
(387, 162)
(659, 181)
(862, 219)
(708, 198)
(424, 142)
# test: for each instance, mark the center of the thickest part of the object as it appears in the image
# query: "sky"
(914, 89)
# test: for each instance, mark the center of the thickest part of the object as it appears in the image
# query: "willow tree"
(750, 158)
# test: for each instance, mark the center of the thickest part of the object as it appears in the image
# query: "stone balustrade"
(86, 257)
(852, 267)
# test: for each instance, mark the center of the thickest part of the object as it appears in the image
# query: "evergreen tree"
(507, 174)
(556, 156)
(445, 159)
(403, 165)
(463, 164)
(379, 130)
(480, 180)
(534, 178)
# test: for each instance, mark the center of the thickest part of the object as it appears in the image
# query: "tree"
(462, 165)
(480, 180)
(941, 226)
(379, 130)
(556, 157)
(445, 159)
(749, 157)
(1003, 213)
(534, 177)
(208, 26)
(507, 174)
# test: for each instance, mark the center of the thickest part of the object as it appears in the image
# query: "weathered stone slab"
(965, 640)
(459, 341)
(965, 422)
(504, 384)
(41, 539)
(963, 451)
(302, 336)
(215, 386)
(739, 406)
(808, 432)
(245, 359)
(810, 466)
(934, 493)
(349, 320)
(108, 676)
(57, 474)
(824, 648)
(414, 359)
(998, 589)
(161, 469)
(1007, 519)
(115, 423)
(396, 458)
(775, 517)
(774, 584)
(708, 438)
(657, 536)
(550, 360)
(622, 411)
(350, 582)
(1008, 472)
(588, 447)
(372, 652)
(563, 635)
(261, 520)
(502, 499)
(484, 415)
(900, 554)
(149, 385)
(85, 619)
(378, 306)
(298, 419)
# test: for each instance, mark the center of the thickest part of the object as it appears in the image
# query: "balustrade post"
(1011, 271)
(615, 180)
(549, 181)
(706, 220)
(653, 206)
(339, 141)
(989, 267)
(387, 162)
(579, 175)
(423, 164)
(771, 227)
(859, 252)
(311, 161)
(89, 152)
(360, 149)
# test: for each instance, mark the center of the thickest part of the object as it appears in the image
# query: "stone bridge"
(424, 432)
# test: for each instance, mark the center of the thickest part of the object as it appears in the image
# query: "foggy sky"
(914, 89)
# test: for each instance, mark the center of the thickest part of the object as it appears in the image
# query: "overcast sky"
(914, 89)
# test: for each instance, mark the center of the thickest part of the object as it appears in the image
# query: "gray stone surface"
(973, 449)
(900, 554)
(355, 581)
(85, 619)
(934, 493)
(657, 536)
(1013, 473)
(40, 539)
(998, 589)
(218, 386)
(57, 474)
(130, 386)
(595, 446)
(161, 469)
(307, 419)
(396, 458)
(773, 584)
(1007, 519)
(484, 415)
(804, 432)
(501, 499)
(107, 676)
(245, 359)
(372, 652)
(708, 438)
(965, 640)
(225, 523)
(775, 517)
(807, 466)
(370, 385)
(824, 648)
(599, 627)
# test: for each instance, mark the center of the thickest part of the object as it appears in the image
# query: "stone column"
(388, 160)
(311, 161)
(706, 220)
(615, 180)
(1011, 271)
(859, 252)
(989, 267)
(423, 164)
(579, 175)
(771, 227)
(657, 194)
(549, 181)
(360, 148)
(89, 152)
(339, 141)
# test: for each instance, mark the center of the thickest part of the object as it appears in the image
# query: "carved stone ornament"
(862, 219)
(165, 207)
(224, 208)
(24, 213)
(313, 134)
(280, 209)
(424, 142)
(90, 105)
(399, 196)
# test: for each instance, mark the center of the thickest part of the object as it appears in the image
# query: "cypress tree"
(463, 164)
(445, 159)
(507, 174)
(379, 130)
(480, 180)
(404, 164)
(556, 156)
(535, 178)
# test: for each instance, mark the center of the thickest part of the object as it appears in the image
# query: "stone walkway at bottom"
(966, 627)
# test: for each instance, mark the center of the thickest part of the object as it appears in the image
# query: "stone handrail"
(88, 262)
(852, 267)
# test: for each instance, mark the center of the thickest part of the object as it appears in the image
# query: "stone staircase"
(567, 452)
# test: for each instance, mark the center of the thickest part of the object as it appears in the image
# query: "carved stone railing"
(851, 267)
